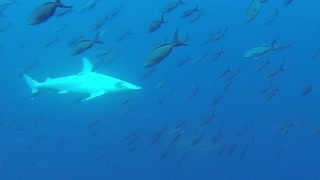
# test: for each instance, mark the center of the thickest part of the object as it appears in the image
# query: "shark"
(86, 82)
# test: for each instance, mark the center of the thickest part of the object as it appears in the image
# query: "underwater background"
(215, 115)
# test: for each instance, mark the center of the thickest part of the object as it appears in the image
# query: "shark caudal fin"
(33, 84)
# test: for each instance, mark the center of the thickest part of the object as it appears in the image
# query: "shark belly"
(87, 83)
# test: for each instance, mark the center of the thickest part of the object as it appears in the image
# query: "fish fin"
(94, 95)
(273, 44)
(162, 18)
(87, 66)
(97, 40)
(33, 84)
(176, 41)
(63, 92)
(59, 4)
(48, 79)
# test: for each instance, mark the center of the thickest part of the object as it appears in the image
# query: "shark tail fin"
(33, 84)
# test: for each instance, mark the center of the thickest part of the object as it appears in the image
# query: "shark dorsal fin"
(87, 66)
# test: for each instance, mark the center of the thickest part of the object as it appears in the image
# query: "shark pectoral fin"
(94, 95)
(63, 92)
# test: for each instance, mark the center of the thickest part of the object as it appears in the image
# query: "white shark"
(86, 82)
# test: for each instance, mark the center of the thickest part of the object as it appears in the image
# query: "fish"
(103, 52)
(268, 88)
(2, 14)
(44, 11)
(85, 82)
(156, 24)
(217, 55)
(84, 45)
(272, 17)
(159, 53)
(62, 12)
(189, 12)
(217, 136)
(60, 28)
(157, 136)
(213, 37)
(258, 51)
(92, 124)
(161, 84)
(123, 35)
(197, 140)
(116, 11)
(148, 73)
(201, 57)
(27, 68)
(161, 100)
(100, 22)
(224, 72)
(208, 119)
(4, 27)
(110, 57)
(4, 3)
(276, 71)
(232, 148)
(306, 91)
(50, 41)
(315, 55)
(183, 61)
(97, 65)
(284, 129)
(272, 92)
(180, 160)
(253, 10)
(286, 2)
(75, 39)
(243, 153)
(196, 16)
(164, 154)
(242, 131)
(216, 100)
(262, 66)
(89, 5)
(316, 131)
(193, 93)
(171, 6)
(233, 74)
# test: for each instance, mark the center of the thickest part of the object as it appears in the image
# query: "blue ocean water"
(193, 122)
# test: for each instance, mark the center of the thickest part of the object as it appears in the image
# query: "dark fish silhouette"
(84, 45)
(171, 6)
(161, 52)
(44, 11)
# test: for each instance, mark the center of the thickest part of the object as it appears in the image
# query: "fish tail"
(176, 41)
(60, 4)
(273, 45)
(282, 68)
(162, 18)
(33, 84)
(97, 38)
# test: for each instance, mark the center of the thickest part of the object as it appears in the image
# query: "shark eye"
(119, 85)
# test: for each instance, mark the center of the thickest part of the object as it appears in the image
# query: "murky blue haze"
(265, 126)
